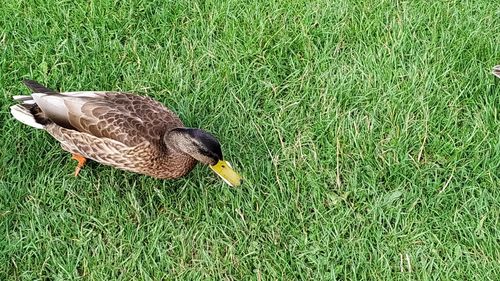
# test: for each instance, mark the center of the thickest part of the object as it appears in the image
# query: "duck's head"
(205, 148)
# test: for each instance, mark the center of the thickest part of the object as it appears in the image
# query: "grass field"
(367, 132)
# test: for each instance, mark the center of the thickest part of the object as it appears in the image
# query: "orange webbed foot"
(81, 162)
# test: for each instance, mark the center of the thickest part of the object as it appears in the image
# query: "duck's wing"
(127, 118)
(104, 150)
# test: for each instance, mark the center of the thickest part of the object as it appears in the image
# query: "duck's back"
(127, 118)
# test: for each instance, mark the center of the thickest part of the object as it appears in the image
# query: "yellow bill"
(226, 172)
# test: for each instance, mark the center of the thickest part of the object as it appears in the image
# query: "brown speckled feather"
(144, 158)
(123, 117)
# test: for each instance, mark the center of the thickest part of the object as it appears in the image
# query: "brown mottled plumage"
(130, 132)
(122, 130)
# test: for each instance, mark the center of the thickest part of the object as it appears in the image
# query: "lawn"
(367, 132)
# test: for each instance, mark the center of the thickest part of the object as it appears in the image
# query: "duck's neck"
(176, 142)
(173, 165)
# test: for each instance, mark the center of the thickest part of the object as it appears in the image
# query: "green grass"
(367, 132)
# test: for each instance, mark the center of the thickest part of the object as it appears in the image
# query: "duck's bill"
(226, 172)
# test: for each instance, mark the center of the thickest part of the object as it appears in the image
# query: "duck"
(123, 130)
(496, 71)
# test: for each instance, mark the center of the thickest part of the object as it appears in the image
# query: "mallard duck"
(496, 71)
(126, 131)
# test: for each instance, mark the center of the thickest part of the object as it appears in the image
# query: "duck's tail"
(27, 111)
(22, 112)
(37, 87)
(496, 71)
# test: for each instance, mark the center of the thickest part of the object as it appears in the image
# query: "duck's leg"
(81, 161)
